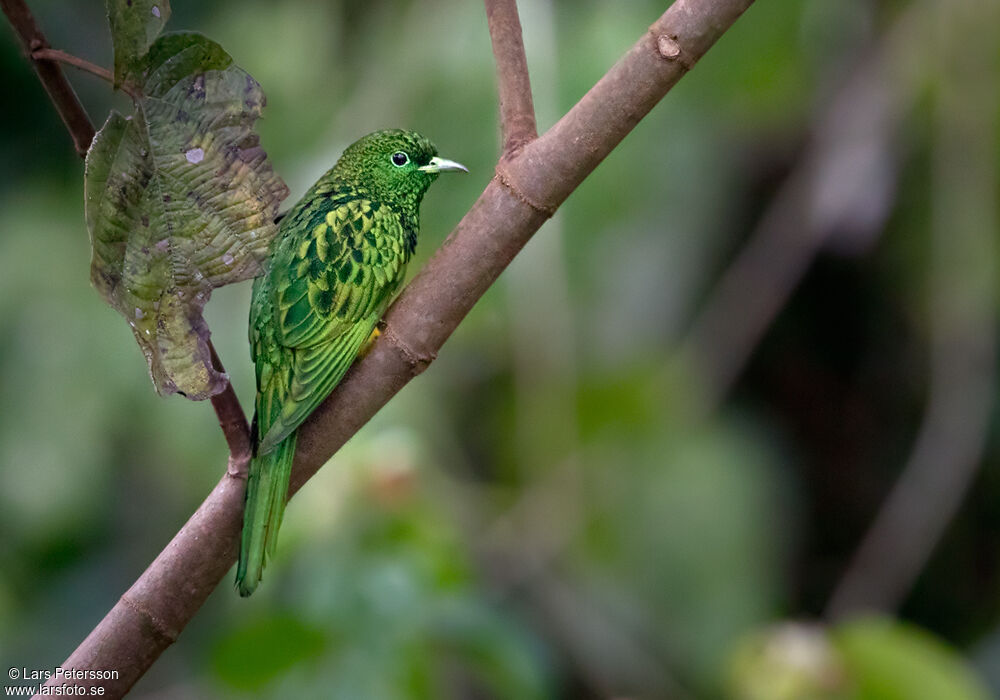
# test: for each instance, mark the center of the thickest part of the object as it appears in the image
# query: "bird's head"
(394, 164)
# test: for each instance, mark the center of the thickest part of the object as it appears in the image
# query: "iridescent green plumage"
(338, 259)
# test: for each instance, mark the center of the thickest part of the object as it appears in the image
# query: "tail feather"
(267, 491)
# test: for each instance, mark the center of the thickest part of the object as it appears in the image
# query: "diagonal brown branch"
(227, 407)
(517, 112)
(50, 73)
(529, 186)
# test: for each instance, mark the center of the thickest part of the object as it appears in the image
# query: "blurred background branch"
(838, 195)
(962, 302)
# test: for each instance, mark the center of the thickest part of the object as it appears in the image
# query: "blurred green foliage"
(891, 660)
(550, 511)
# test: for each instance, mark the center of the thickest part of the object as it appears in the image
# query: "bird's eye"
(399, 159)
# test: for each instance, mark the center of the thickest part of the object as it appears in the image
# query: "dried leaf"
(180, 198)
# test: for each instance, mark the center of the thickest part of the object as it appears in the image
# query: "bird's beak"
(443, 165)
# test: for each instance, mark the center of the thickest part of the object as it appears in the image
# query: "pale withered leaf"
(180, 198)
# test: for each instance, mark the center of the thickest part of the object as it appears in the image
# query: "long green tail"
(267, 491)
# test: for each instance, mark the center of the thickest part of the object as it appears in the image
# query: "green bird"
(338, 259)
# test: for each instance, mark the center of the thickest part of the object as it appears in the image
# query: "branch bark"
(50, 73)
(525, 191)
(233, 422)
(517, 111)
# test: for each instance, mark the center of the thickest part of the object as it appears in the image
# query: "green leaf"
(180, 198)
(177, 55)
(890, 660)
(256, 653)
(135, 24)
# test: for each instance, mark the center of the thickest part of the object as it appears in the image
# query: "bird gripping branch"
(338, 259)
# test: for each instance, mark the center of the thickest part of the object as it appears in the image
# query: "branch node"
(238, 466)
(669, 49)
(155, 624)
(505, 180)
(516, 143)
(416, 361)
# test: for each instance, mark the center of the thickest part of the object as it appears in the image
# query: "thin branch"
(57, 55)
(233, 422)
(50, 73)
(43, 54)
(517, 112)
(527, 189)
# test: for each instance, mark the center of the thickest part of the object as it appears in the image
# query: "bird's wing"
(329, 286)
